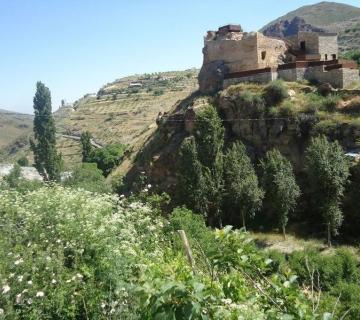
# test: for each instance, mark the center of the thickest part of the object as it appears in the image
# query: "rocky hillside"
(14, 131)
(329, 16)
(287, 127)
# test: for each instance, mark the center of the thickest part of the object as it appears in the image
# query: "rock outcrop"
(287, 28)
(211, 76)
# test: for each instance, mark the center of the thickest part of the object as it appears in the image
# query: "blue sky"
(76, 46)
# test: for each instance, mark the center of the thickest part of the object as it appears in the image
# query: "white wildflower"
(1, 312)
(80, 276)
(30, 301)
(149, 186)
(146, 190)
(53, 281)
(48, 258)
(5, 289)
(20, 278)
(11, 275)
(29, 282)
(19, 261)
(40, 294)
(122, 196)
(103, 305)
(68, 281)
(18, 298)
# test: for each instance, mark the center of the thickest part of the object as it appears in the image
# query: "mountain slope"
(122, 111)
(14, 130)
(330, 16)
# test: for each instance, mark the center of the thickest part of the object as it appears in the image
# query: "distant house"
(135, 84)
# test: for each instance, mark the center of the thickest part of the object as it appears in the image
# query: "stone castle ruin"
(232, 56)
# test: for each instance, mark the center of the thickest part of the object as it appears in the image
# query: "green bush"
(330, 103)
(88, 177)
(158, 92)
(275, 93)
(23, 161)
(287, 110)
(108, 157)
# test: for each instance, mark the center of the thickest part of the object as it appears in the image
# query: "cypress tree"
(47, 160)
(85, 140)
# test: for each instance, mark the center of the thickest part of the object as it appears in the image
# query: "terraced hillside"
(331, 16)
(123, 111)
(14, 131)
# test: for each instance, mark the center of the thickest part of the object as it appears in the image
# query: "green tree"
(328, 171)
(191, 179)
(108, 157)
(85, 140)
(281, 189)
(47, 161)
(241, 183)
(201, 166)
(209, 138)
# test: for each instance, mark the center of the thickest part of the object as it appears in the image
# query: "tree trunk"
(329, 235)
(243, 220)
(284, 231)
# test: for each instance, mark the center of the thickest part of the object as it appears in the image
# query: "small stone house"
(232, 56)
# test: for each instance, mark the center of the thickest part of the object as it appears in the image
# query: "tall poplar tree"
(281, 189)
(328, 171)
(47, 160)
(241, 183)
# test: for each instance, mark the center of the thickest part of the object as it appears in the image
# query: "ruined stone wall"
(270, 52)
(264, 77)
(295, 74)
(350, 76)
(328, 45)
(311, 42)
(238, 55)
(245, 52)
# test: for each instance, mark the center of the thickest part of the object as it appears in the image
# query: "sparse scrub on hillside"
(274, 93)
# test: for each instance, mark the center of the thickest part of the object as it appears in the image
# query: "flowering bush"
(73, 254)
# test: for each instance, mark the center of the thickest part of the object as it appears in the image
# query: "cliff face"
(286, 28)
(291, 134)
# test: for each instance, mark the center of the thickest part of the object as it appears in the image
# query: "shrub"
(108, 157)
(330, 103)
(287, 110)
(23, 161)
(274, 93)
(88, 177)
(158, 92)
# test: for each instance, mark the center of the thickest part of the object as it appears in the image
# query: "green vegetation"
(47, 161)
(281, 189)
(327, 173)
(241, 183)
(202, 165)
(275, 93)
(72, 254)
(85, 140)
(88, 177)
(107, 157)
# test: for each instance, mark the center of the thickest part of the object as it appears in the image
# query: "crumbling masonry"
(232, 56)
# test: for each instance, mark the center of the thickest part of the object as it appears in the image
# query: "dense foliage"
(86, 146)
(88, 177)
(47, 161)
(281, 189)
(71, 254)
(241, 183)
(327, 173)
(107, 157)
